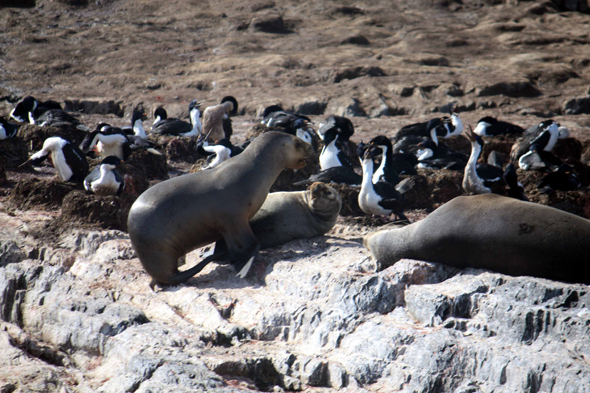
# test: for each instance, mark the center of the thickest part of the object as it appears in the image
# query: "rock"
(510, 89)
(10, 252)
(269, 24)
(357, 72)
(429, 60)
(346, 107)
(577, 106)
(92, 107)
(356, 39)
(311, 107)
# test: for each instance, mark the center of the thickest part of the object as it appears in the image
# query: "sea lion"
(181, 214)
(493, 232)
(287, 216)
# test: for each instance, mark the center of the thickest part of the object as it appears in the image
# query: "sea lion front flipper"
(242, 246)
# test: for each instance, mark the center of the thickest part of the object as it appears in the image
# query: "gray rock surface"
(315, 313)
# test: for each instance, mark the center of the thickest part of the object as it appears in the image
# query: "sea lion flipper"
(181, 277)
(242, 246)
(245, 262)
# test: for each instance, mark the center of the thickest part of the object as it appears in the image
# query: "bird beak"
(469, 134)
(25, 163)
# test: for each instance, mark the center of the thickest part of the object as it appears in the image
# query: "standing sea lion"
(493, 232)
(287, 216)
(181, 214)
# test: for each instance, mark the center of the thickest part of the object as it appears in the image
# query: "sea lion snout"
(301, 152)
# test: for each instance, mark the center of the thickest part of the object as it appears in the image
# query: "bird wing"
(172, 127)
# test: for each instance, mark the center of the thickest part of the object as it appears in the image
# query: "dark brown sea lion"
(181, 214)
(493, 232)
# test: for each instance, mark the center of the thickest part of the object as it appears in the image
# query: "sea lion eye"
(297, 144)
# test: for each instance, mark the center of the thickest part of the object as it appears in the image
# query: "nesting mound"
(35, 193)
(419, 196)
(366, 220)
(14, 151)
(199, 164)
(136, 179)
(499, 143)
(179, 148)
(568, 148)
(457, 143)
(154, 166)
(34, 135)
(85, 209)
(255, 131)
(350, 200)
(433, 187)
(575, 202)
(289, 176)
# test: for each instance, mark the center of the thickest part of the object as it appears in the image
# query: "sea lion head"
(323, 199)
(296, 151)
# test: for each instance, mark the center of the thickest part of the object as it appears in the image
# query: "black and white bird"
(332, 153)
(7, 129)
(227, 121)
(336, 174)
(540, 160)
(381, 198)
(341, 124)
(178, 127)
(159, 115)
(221, 151)
(432, 156)
(137, 125)
(46, 113)
(513, 187)
(385, 171)
(543, 137)
(442, 127)
(105, 179)
(216, 119)
(275, 116)
(562, 179)
(412, 135)
(24, 111)
(106, 141)
(69, 161)
(481, 178)
(490, 126)
(422, 129)
(448, 128)
(29, 109)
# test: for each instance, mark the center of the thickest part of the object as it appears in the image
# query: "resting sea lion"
(181, 214)
(493, 232)
(287, 216)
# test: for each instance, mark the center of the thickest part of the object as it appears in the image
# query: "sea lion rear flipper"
(185, 275)
(242, 246)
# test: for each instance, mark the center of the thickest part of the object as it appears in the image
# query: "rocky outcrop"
(316, 312)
